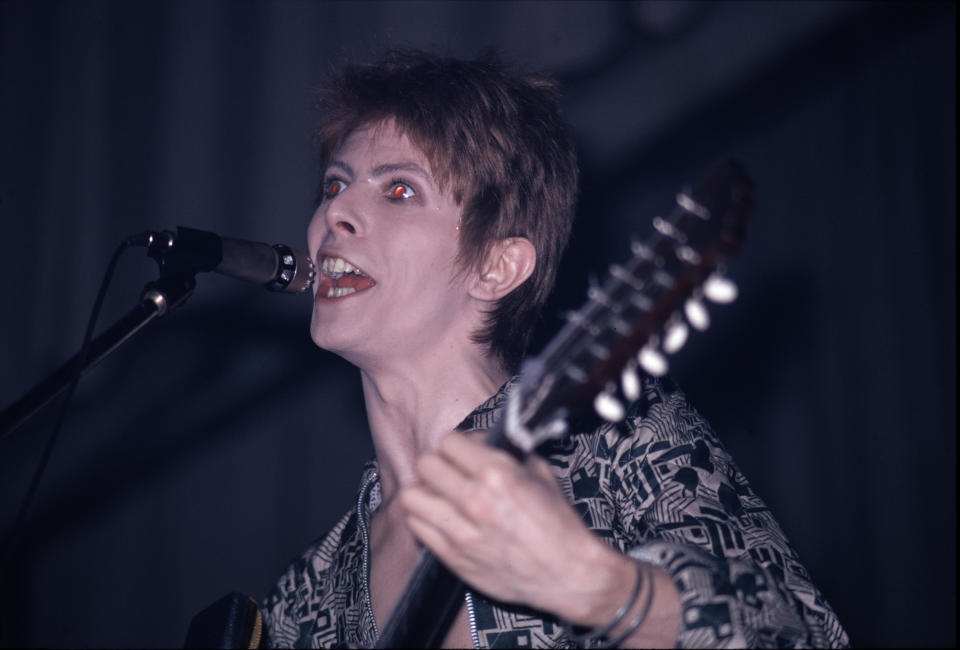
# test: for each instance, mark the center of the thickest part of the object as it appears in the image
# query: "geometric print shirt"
(658, 486)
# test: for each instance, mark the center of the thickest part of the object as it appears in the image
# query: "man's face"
(384, 239)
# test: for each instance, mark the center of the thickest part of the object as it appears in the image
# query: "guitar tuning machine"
(667, 229)
(686, 201)
(675, 334)
(630, 381)
(696, 312)
(719, 288)
(609, 407)
(641, 250)
(651, 359)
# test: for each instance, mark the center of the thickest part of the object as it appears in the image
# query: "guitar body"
(234, 621)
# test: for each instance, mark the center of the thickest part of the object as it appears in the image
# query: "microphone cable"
(6, 551)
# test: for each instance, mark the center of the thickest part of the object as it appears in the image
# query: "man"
(447, 198)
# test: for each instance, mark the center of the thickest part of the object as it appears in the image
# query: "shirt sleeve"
(688, 509)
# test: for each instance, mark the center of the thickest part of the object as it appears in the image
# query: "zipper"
(362, 520)
(472, 615)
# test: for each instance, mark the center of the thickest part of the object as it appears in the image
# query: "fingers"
(439, 475)
(435, 521)
(463, 489)
(475, 459)
(540, 467)
(466, 488)
(461, 465)
(502, 526)
(470, 453)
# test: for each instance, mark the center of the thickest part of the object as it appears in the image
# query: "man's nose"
(343, 216)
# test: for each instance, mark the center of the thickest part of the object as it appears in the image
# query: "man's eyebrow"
(347, 169)
(393, 168)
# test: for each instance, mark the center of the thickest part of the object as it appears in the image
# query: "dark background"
(205, 454)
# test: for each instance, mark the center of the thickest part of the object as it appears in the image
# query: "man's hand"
(506, 529)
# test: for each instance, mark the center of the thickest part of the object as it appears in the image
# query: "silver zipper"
(362, 520)
(472, 615)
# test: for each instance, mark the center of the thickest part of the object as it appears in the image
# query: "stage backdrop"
(212, 448)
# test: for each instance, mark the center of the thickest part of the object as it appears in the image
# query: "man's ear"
(508, 264)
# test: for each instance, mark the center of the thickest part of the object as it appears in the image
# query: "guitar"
(641, 313)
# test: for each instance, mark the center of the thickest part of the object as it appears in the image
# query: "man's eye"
(332, 187)
(400, 191)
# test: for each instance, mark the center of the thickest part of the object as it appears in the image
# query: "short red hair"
(496, 140)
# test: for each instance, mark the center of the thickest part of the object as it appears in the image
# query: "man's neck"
(411, 406)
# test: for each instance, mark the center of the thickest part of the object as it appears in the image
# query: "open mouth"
(339, 278)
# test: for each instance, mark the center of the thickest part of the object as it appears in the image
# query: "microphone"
(277, 267)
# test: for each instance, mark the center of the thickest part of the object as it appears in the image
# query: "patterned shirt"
(659, 486)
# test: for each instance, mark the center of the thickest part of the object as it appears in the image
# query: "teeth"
(339, 292)
(336, 266)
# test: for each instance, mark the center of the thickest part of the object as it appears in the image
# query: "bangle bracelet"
(596, 634)
(642, 616)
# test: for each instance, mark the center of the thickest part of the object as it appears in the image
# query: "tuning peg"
(624, 275)
(597, 294)
(667, 229)
(687, 254)
(609, 407)
(630, 382)
(687, 202)
(574, 318)
(640, 301)
(720, 289)
(696, 313)
(641, 250)
(675, 335)
(652, 361)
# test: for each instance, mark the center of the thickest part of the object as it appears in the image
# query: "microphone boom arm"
(158, 298)
(180, 257)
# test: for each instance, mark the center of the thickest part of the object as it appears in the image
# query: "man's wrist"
(600, 585)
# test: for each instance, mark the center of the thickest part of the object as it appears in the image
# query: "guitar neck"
(432, 596)
(426, 609)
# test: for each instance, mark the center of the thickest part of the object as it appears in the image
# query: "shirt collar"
(483, 417)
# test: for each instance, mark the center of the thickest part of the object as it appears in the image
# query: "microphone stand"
(175, 285)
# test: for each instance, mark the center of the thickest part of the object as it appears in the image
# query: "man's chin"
(342, 343)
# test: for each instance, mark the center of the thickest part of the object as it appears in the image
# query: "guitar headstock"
(639, 315)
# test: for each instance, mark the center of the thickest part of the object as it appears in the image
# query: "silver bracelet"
(641, 617)
(597, 634)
